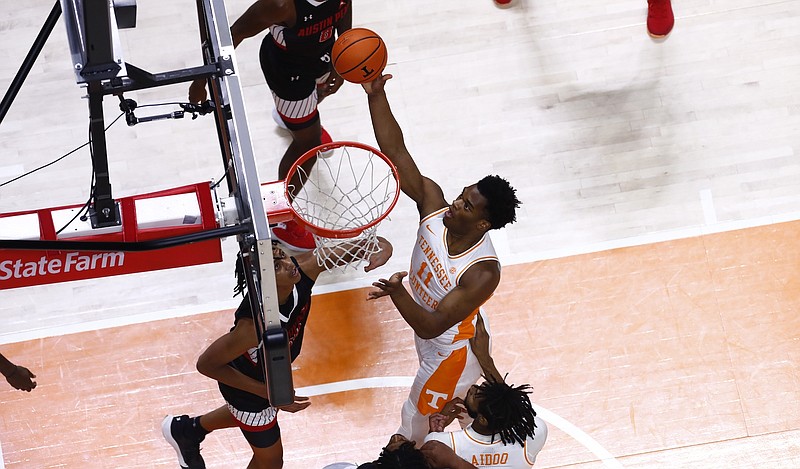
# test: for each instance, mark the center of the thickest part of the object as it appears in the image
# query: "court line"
(504, 253)
(2, 459)
(548, 416)
(707, 202)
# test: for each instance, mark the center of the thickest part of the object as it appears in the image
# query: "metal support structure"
(239, 159)
(30, 59)
(92, 33)
(104, 209)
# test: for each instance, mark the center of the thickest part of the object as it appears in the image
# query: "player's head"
(501, 201)
(398, 454)
(286, 273)
(502, 409)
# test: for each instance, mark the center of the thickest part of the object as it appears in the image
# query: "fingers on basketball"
(359, 55)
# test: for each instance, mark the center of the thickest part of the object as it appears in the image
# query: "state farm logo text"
(72, 262)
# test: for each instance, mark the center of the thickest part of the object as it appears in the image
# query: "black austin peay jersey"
(313, 33)
(294, 315)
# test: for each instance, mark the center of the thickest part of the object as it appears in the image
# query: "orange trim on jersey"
(442, 382)
(433, 214)
(480, 442)
(466, 328)
(474, 247)
(480, 259)
(525, 453)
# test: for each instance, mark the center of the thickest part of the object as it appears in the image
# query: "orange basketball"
(359, 55)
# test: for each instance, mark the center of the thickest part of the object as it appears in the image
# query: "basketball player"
(505, 430)
(454, 270)
(498, 410)
(17, 376)
(232, 361)
(402, 454)
(296, 62)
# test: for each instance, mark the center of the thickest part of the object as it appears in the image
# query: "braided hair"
(406, 456)
(508, 411)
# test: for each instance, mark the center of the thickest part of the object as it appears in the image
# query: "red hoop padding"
(340, 148)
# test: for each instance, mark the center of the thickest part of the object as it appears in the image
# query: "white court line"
(707, 202)
(2, 459)
(548, 416)
(506, 258)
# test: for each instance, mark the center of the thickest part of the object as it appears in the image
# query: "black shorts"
(254, 416)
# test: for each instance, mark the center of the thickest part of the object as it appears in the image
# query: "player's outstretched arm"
(345, 254)
(17, 376)
(261, 15)
(480, 347)
(476, 286)
(213, 362)
(426, 193)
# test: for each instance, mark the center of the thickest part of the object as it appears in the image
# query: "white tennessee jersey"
(482, 451)
(434, 272)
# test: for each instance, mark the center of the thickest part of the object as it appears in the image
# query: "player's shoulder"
(443, 437)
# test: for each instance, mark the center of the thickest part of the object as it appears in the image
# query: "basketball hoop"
(350, 190)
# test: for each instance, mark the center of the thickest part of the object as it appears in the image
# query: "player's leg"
(434, 385)
(267, 447)
(294, 91)
(185, 434)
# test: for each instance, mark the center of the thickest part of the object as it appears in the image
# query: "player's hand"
(331, 86)
(440, 456)
(376, 86)
(452, 410)
(22, 379)
(300, 403)
(381, 257)
(197, 91)
(388, 287)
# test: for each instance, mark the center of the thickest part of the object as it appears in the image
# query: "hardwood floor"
(652, 272)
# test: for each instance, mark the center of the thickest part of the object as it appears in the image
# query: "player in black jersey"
(296, 61)
(232, 361)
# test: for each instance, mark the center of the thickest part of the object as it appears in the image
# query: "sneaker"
(325, 137)
(660, 19)
(176, 432)
(294, 236)
(278, 120)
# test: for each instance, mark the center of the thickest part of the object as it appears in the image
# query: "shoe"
(294, 236)
(278, 120)
(325, 137)
(176, 432)
(660, 18)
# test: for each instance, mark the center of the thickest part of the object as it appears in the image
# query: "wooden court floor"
(680, 354)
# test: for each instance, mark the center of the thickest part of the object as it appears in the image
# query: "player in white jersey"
(454, 270)
(505, 431)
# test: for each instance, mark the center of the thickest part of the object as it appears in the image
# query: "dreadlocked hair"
(508, 411)
(404, 457)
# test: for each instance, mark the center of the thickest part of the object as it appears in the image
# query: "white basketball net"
(348, 188)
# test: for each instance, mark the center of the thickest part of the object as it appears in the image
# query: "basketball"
(359, 55)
